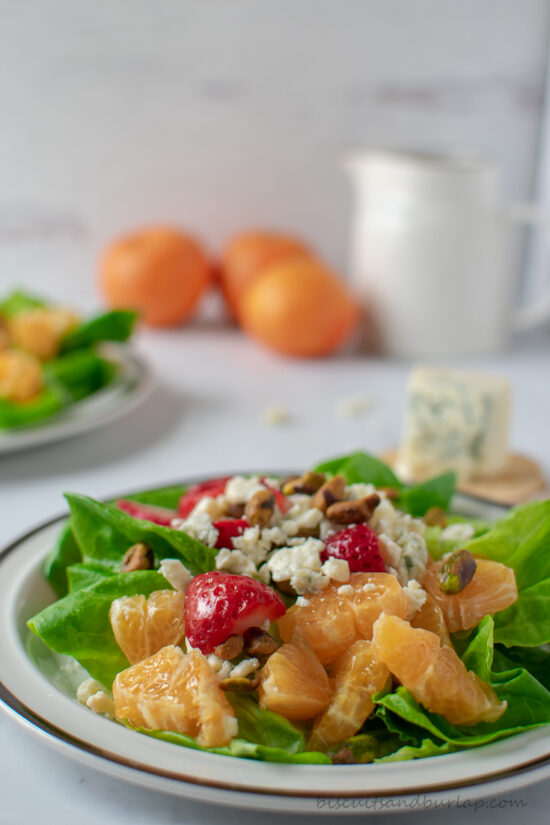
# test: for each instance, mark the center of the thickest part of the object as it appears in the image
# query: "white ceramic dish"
(37, 689)
(129, 388)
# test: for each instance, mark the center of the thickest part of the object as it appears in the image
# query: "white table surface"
(205, 417)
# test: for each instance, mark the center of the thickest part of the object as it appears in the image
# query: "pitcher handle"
(537, 311)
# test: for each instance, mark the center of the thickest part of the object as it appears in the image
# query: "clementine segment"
(357, 676)
(435, 675)
(293, 682)
(247, 255)
(492, 589)
(298, 307)
(143, 626)
(339, 615)
(430, 617)
(159, 272)
(177, 691)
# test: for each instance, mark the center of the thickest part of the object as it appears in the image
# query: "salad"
(335, 617)
(50, 358)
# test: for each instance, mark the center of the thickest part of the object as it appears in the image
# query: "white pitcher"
(433, 253)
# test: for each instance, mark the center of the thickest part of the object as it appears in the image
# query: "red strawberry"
(358, 545)
(214, 487)
(218, 605)
(228, 529)
(158, 515)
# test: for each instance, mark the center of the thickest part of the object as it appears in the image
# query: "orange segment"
(357, 676)
(339, 615)
(178, 691)
(492, 589)
(293, 682)
(435, 675)
(430, 617)
(142, 626)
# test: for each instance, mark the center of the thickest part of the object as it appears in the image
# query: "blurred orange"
(160, 272)
(247, 255)
(299, 307)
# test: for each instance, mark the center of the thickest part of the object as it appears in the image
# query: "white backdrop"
(221, 114)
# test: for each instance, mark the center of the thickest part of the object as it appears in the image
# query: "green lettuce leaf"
(19, 302)
(78, 624)
(264, 727)
(242, 748)
(428, 747)
(79, 373)
(104, 532)
(85, 574)
(534, 659)
(168, 497)
(437, 492)
(64, 553)
(47, 403)
(116, 325)
(521, 540)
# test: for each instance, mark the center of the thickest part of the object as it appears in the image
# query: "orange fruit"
(299, 307)
(178, 691)
(430, 617)
(21, 375)
(435, 675)
(247, 255)
(357, 676)
(492, 589)
(293, 682)
(159, 272)
(338, 616)
(142, 626)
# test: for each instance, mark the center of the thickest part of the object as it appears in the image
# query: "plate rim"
(65, 740)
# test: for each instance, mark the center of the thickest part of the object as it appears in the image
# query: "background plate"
(129, 388)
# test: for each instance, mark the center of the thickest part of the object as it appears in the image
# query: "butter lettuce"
(78, 624)
(116, 325)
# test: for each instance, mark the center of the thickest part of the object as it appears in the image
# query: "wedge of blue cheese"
(454, 420)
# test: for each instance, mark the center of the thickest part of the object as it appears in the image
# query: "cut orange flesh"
(143, 626)
(339, 615)
(293, 682)
(357, 677)
(492, 589)
(435, 675)
(430, 617)
(177, 691)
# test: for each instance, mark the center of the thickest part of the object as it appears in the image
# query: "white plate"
(37, 688)
(129, 388)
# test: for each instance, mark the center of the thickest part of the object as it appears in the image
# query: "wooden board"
(522, 479)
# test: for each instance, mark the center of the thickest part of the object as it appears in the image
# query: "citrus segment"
(435, 675)
(430, 617)
(177, 691)
(492, 589)
(339, 615)
(293, 682)
(142, 626)
(357, 677)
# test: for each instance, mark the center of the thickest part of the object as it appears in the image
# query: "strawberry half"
(214, 487)
(229, 529)
(158, 515)
(358, 545)
(218, 605)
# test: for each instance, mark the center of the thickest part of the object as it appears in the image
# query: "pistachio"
(259, 643)
(231, 648)
(259, 508)
(309, 483)
(235, 510)
(355, 511)
(435, 517)
(138, 557)
(308, 533)
(456, 572)
(331, 491)
(239, 684)
(390, 492)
